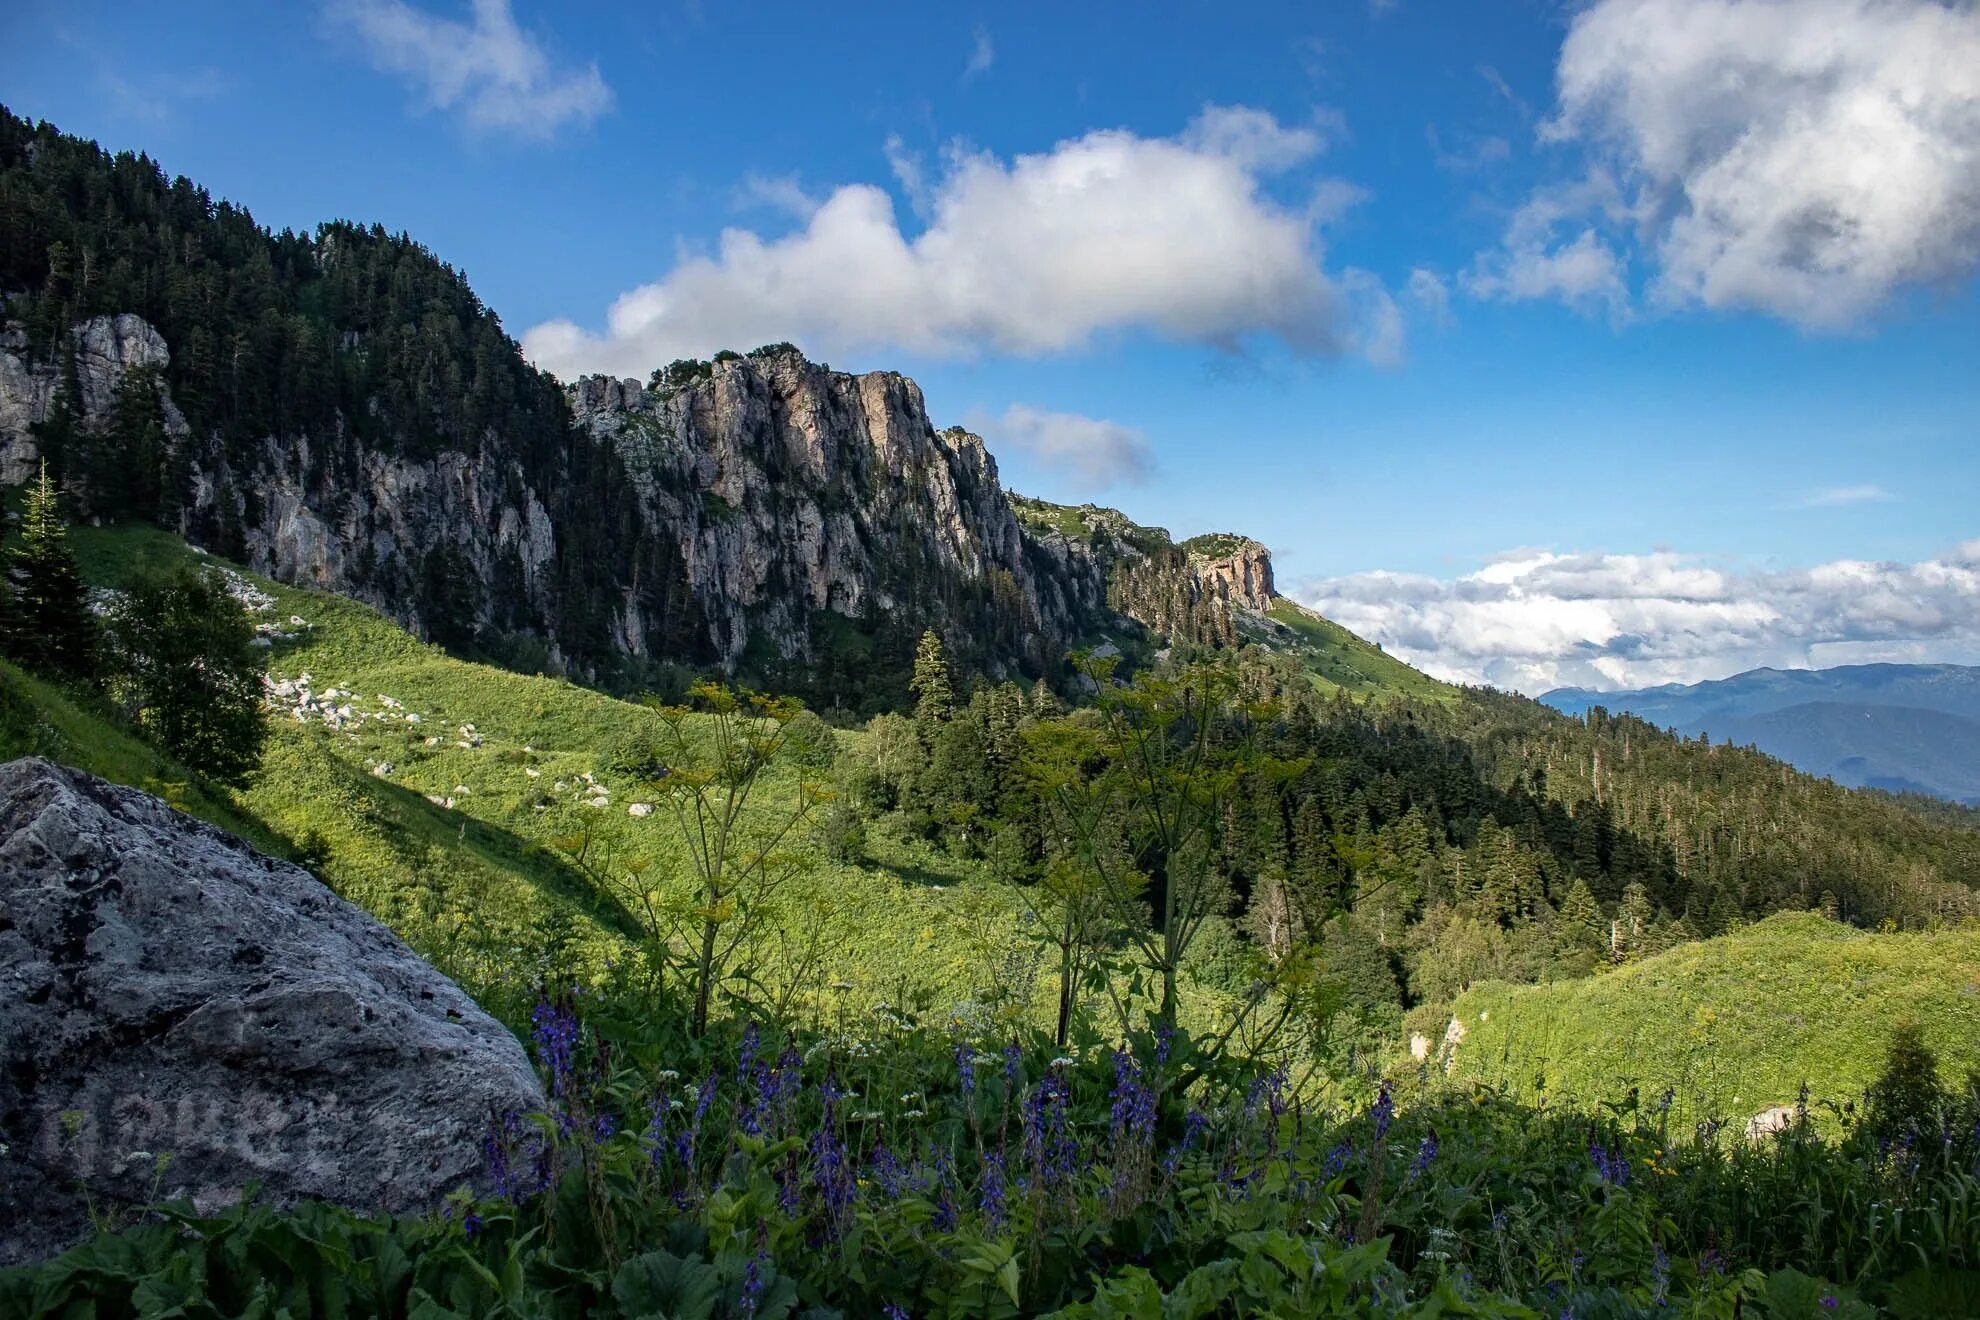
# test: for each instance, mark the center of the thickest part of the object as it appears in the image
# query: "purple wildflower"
(753, 1284)
(945, 1198)
(1194, 1126)
(966, 1067)
(1426, 1151)
(1013, 1060)
(555, 1029)
(655, 1136)
(887, 1173)
(1134, 1103)
(830, 1169)
(471, 1224)
(990, 1192)
(1385, 1113)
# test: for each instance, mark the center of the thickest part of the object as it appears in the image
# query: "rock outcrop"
(723, 518)
(785, 489)
(1242, 578)
(104, 349)
(181, 1015)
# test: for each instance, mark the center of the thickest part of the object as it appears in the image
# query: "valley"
(916, 898)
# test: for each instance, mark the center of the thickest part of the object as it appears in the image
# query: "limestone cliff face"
(105, 348)
(1242, 578)
(785, 489)
(751, 516)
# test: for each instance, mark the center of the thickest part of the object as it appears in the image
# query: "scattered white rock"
(640, 810)
(383, 769)
(532, 772)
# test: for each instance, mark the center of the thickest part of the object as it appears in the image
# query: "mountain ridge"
(339, 410)
(1900, 728)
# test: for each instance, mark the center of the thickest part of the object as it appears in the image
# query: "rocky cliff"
(757, 511)
(339, 409)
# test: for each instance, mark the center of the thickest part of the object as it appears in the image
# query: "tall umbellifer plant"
(720, 751)
(1172, 747)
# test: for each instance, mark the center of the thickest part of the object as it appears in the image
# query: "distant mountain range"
(1905, 728)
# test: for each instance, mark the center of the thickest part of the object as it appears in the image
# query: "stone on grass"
(166, 990)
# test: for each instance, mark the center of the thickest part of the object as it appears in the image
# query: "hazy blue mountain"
(1900, 727)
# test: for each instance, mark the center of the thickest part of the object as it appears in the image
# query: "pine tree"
(50, 628)
(935, 696)
(1580, 924)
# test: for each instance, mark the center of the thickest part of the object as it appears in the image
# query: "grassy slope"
(1733, 1024)
(476, 886)
(1337, 659)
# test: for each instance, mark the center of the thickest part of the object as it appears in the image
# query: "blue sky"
(1411, 291)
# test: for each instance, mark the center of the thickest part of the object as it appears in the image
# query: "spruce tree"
(935, 696)
(49, 627)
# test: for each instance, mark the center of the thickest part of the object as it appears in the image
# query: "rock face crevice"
(167, 991)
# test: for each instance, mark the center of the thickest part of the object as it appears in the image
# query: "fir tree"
(935, 696)
(49, 628)
(1580, 924)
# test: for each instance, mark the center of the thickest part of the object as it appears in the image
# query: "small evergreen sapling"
(47, 625)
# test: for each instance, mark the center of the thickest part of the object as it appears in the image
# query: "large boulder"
(169, 994)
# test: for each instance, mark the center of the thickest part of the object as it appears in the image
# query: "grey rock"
(166, 990)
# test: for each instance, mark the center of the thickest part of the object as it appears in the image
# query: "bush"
(187, 671)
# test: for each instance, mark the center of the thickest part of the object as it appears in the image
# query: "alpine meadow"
(620, 822)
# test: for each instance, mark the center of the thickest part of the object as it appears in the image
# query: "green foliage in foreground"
(908, 1171)
(1732, 1025)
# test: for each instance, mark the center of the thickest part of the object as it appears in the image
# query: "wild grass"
(1733, 1025)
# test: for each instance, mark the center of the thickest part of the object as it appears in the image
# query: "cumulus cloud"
(487, 68)
(1094, 453)
(1535, 620)
(1805, 159)
(1032, 255)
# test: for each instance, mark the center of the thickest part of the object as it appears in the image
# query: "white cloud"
(1037, 254)
(982, 54)
(495, 74)
(1470, 154)
(1836, 496)
(1804, 159)
(1093, 452)
(1429, 294)
(780, 192)
(1536, 620)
